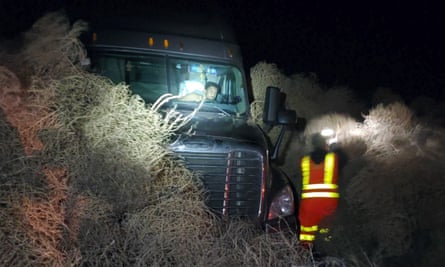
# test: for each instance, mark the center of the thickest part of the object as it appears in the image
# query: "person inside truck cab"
(209, 93)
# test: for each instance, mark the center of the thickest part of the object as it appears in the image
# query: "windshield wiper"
(204, 107)
(223, 111)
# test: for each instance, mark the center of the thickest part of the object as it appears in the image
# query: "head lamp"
(327, 132)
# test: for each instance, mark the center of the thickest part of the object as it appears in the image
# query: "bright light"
(327, 132)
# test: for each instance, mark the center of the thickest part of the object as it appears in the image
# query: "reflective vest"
(320, 180)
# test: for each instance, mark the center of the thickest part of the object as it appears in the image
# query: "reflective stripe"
(328, 176)
(329, 168)
(313, 228)
(320, 194)
(304, 237)
(319, 186)
(305, 163)
(324, 230)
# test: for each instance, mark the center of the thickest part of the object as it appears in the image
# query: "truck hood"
(224, 128)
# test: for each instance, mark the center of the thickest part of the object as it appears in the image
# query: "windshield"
(220, 86)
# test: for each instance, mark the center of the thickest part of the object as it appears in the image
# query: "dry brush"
(87, 179)
(393, 181)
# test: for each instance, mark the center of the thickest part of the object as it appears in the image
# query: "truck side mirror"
(274, 111)
(287, 117)
(271, 105)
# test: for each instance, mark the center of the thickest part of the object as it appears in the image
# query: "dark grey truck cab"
(235, 159)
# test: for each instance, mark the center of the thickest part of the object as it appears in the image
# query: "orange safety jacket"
(319, 195)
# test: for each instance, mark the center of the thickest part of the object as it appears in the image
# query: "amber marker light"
(151, 41)
(165, 43)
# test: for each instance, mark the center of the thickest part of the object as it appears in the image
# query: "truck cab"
(174, 55)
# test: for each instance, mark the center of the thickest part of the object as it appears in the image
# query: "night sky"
(356, 44)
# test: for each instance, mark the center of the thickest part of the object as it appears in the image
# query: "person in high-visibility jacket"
(319, 194)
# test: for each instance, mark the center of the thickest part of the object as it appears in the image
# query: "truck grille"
(232, 180)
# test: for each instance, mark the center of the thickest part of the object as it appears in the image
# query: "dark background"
(361, 45)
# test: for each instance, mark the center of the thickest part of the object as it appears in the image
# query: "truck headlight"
(283, 204)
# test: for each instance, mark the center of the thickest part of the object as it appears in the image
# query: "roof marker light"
(151, 41)
(94, 37)
(165, 43)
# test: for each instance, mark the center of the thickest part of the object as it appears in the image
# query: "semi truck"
(164, 54)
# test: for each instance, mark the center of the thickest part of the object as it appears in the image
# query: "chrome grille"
(232, 180)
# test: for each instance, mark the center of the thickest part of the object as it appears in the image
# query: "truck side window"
(227, 84)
